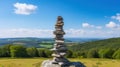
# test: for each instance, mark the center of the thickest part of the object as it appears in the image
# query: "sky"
(82, 18)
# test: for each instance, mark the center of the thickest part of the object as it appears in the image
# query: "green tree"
(92, 53)
(31, 52)
(75, 54)
(41, 52)
(81, 54)
(116, 54)
(106, 53)
(1, 52)
(101, 55)
(48, 53)
(5, 50)
(18, 51)
(69, 54)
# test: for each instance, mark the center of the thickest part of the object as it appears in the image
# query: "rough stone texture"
(48, 63)
(60, 49)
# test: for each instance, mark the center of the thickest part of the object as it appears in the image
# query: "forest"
(107, 48)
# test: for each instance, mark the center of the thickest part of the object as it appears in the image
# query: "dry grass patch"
(35, 62)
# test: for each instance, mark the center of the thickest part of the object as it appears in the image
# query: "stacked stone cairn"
(59, 49)
(59, 46)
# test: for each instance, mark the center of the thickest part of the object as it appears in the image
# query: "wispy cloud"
(111, 24)
(24, 9)
(25, 33)
(45, 33)
(116, 17)
(97, 33)
(87, 25)
(98, 27)
(74, 32)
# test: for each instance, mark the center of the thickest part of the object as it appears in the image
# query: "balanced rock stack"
(59, 49)
(59, 46)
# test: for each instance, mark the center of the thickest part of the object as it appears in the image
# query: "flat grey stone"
(48, 63)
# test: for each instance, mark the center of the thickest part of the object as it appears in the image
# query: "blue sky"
(82, 18)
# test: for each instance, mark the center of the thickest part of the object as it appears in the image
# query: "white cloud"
(25, 33)
(23, 8)
(111, 24)
(74, 32)
(92, 33)
(99, 27)
(49, 33)
(117, 17)
(87, 25)
(4, 33)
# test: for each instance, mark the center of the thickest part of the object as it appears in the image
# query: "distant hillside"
(82, 40)
(29, 42)
(41, 42)
(100, 44)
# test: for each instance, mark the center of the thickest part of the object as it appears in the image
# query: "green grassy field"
(35, 62)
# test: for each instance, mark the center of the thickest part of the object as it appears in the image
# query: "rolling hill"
(29, 42)
(113, 43)
(41, 42)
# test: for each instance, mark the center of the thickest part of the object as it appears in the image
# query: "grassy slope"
(32, 62)
(101, 44)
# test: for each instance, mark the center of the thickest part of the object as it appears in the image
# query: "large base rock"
(48, 63)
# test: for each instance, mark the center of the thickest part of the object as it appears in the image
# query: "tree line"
(107, 48)
(19, 51)
(98, 53)
(15, 51)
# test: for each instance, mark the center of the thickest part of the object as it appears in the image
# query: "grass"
(46, 46)
(35, 62)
